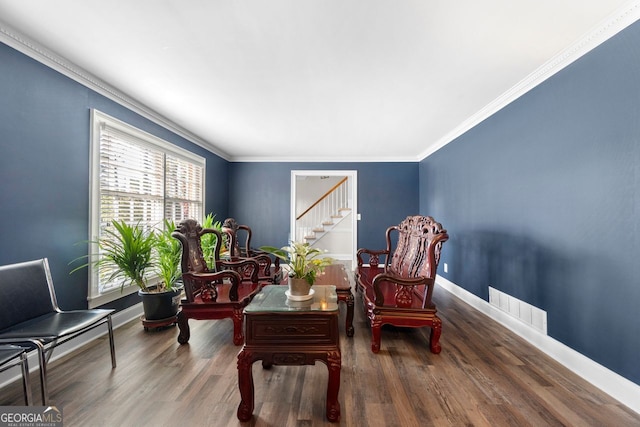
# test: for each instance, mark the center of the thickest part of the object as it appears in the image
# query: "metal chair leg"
(112, 344)
(26, 384)
(43, 371)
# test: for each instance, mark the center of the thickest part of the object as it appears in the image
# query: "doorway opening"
(324, 212)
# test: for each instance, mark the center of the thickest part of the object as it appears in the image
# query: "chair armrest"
(372, 256)
(264, 260)
(259, 253)
(401, 281)
(247, 268)
(196, 282)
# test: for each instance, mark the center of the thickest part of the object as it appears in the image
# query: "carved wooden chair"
(399, 292)
(270, 270)
(210, 294)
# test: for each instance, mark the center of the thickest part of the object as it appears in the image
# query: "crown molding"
(284, 159)
(616, 22)
(34, 50)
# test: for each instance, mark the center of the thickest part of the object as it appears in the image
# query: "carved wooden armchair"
(210, 294)
(399, 292)
(270, 270)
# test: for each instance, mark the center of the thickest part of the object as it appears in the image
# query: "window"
(138, 178)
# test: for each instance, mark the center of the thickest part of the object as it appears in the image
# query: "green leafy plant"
(304, 261)
(208, 241)
(125, 254)
(128, 253)
(169, 252)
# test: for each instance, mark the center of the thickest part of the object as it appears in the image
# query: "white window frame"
(95, 297)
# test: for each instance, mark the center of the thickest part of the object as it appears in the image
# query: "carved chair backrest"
(233, 230)
(417, 251)
(190, 233)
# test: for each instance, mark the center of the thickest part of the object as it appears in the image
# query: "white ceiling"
(332, 80)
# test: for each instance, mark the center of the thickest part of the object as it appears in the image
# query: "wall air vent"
(532, 316)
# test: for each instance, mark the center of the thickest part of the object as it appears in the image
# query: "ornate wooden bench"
(398, 291)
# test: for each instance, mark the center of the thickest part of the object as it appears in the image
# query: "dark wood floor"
(485, 376)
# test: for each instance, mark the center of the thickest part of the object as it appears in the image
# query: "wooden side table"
(283, 332)
(337, 275)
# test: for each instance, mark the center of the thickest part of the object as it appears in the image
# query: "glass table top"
(272, 298)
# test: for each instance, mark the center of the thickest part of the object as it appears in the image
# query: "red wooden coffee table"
(338, 276)
(283, 332)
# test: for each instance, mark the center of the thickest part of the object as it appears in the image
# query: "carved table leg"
(334, 363)
(183, 325)
(245, 383)
(376, 330)
(349, 300)
(238, 333)
(434, 338)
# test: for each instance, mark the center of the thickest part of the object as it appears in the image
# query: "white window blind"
(131, 180)
(183, 189)
(142, 180)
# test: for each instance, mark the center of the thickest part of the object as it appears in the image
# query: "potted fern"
(162, 300)
(129, 254)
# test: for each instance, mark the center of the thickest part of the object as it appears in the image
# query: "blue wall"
(541, 201)
(44, 169)
(261, 198)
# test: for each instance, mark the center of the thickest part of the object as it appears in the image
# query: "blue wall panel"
(261, 198)
(541, 201)
(44, 169)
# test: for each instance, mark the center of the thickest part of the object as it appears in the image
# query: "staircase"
(316, 233)
(324, 214)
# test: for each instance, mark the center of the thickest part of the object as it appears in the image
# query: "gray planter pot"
(160, 305)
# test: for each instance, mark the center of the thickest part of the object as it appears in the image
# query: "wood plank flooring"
(485, 376)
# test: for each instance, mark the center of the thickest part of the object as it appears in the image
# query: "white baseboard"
(118, 319)
(606, 380)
